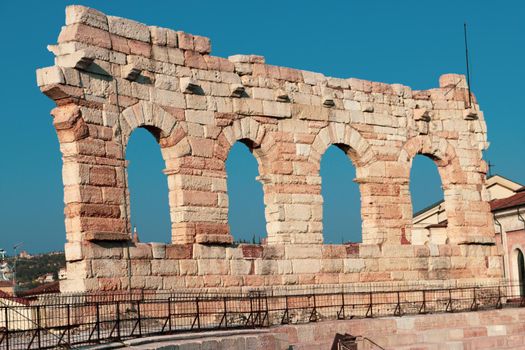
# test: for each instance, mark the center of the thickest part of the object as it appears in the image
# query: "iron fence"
(101, 318)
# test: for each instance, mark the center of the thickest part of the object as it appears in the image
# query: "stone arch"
(142, 180)
(345, 137)
(149, 116)
(517, 278)
(248, 131)
(439, 150)
(444, 156)
(355, 146)
(171, 137)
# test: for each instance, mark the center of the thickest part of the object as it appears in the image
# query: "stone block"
(140, 268)
(128, 28)
(164, 267)
(332, 265)
(300, 266)
(179, 251)
(85, 34)
(241, 267)
(86, 15)
(49, 75)
(140, 251)
(73, 251)
(80, 59)
(159, 36)
(202, 44)
(273, 252)
(188, 267)
(251, 251)
(185, 41)
(284, 267)
(106, 268)
(303, 251)
(213, 267)
(200, 117)
(353, 265)
(130, 72)
(265, 267)
(201, 251)
(158, 250)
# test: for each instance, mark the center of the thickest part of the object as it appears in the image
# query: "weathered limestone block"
(158, 250)
(164, 267)
(86, 15)
(303, 266)
(49, 76)
(213, 267)
(128, 28)
(353, 265)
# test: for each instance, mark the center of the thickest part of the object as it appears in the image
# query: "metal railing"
(102, 318)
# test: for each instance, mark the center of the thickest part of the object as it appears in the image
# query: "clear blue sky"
(408, 42)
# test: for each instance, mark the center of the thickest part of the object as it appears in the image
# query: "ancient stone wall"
(113, 75)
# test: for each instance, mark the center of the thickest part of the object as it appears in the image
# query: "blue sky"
(408, 42)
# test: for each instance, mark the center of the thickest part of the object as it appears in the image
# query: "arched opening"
(341, 197)
(426, 192)
(148, 189)
(521, 271)
(245, 195)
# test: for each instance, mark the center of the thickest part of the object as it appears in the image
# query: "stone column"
(94, 176)
(385, 206)
(197, 184)
(292, 187)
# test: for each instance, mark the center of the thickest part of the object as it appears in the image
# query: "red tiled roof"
(517, 199)
(8, 296)
(53, 287)
(6, 284)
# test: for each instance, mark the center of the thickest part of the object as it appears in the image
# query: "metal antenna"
(468, 70)
(490, 165)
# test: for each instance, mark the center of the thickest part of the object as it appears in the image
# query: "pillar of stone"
(93, 175)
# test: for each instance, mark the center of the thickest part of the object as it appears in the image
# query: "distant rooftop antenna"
(468, 69)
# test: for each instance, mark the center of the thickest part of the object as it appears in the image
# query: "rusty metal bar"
(423, 308)
(397, 311)
(370, 311)
(6, 333)
(286, 315)
(341, 312)
(474, 305)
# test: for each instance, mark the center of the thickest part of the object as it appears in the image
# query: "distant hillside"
(28, 269)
